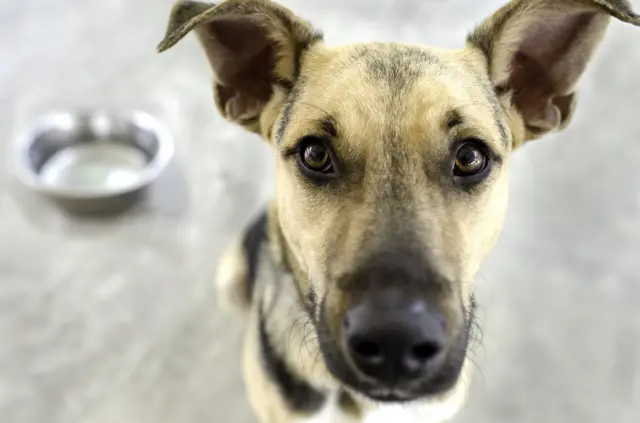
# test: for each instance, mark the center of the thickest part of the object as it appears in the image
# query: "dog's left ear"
(538, 49)
(254, 49)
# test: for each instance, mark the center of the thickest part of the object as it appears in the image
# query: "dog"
(392, 165)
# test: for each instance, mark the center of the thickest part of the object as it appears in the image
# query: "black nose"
(394, 345)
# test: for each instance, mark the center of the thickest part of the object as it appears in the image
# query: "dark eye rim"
(479, 176)
(329, 172)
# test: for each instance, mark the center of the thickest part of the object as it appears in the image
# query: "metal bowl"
(93, 160)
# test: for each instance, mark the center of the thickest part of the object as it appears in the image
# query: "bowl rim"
(56, 119)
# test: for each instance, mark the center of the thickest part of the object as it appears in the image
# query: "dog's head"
(392, 164)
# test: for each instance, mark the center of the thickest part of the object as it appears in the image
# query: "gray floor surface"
(115, 320)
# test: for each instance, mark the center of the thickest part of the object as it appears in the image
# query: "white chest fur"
(419, 413)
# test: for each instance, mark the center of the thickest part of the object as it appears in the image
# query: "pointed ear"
(254, 49)
(537, 50)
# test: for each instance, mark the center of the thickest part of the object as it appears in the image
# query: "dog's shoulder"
(239, 264)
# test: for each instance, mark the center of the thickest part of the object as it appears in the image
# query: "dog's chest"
(432, 413)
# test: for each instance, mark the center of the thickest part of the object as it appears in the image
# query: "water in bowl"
(94, 167)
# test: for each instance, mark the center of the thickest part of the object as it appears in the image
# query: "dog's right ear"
(254, 49)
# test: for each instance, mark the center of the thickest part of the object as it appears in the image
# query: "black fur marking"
(312, 296)
(299, 396)
(294, 86)
(287, 110)
(397, 66)
(328, 125)
(454, 118)
(285, 84)
(310, 303)
(254, 237)
(495, 96)
(498, 116)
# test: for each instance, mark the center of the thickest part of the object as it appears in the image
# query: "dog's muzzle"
(392, 334)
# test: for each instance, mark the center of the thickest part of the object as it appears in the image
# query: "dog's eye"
(470, 160)
(315, 156)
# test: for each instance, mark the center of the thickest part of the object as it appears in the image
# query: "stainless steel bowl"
(95, 160)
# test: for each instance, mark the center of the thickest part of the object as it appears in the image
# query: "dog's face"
(392, 186)
(392, 165)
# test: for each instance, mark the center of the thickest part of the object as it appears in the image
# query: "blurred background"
(115, 320)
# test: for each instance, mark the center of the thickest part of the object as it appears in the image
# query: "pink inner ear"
(550, 58)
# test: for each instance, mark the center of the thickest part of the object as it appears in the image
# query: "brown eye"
(315, 157)
(470, 160)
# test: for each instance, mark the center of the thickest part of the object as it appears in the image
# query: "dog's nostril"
(368, 351)
(425, 351)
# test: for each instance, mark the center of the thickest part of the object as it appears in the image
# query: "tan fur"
(354, 102)
(393, 113)
(231, 278)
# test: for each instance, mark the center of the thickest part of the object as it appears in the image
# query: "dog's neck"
(282, 254)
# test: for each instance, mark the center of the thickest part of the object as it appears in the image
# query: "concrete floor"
(115, 320)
